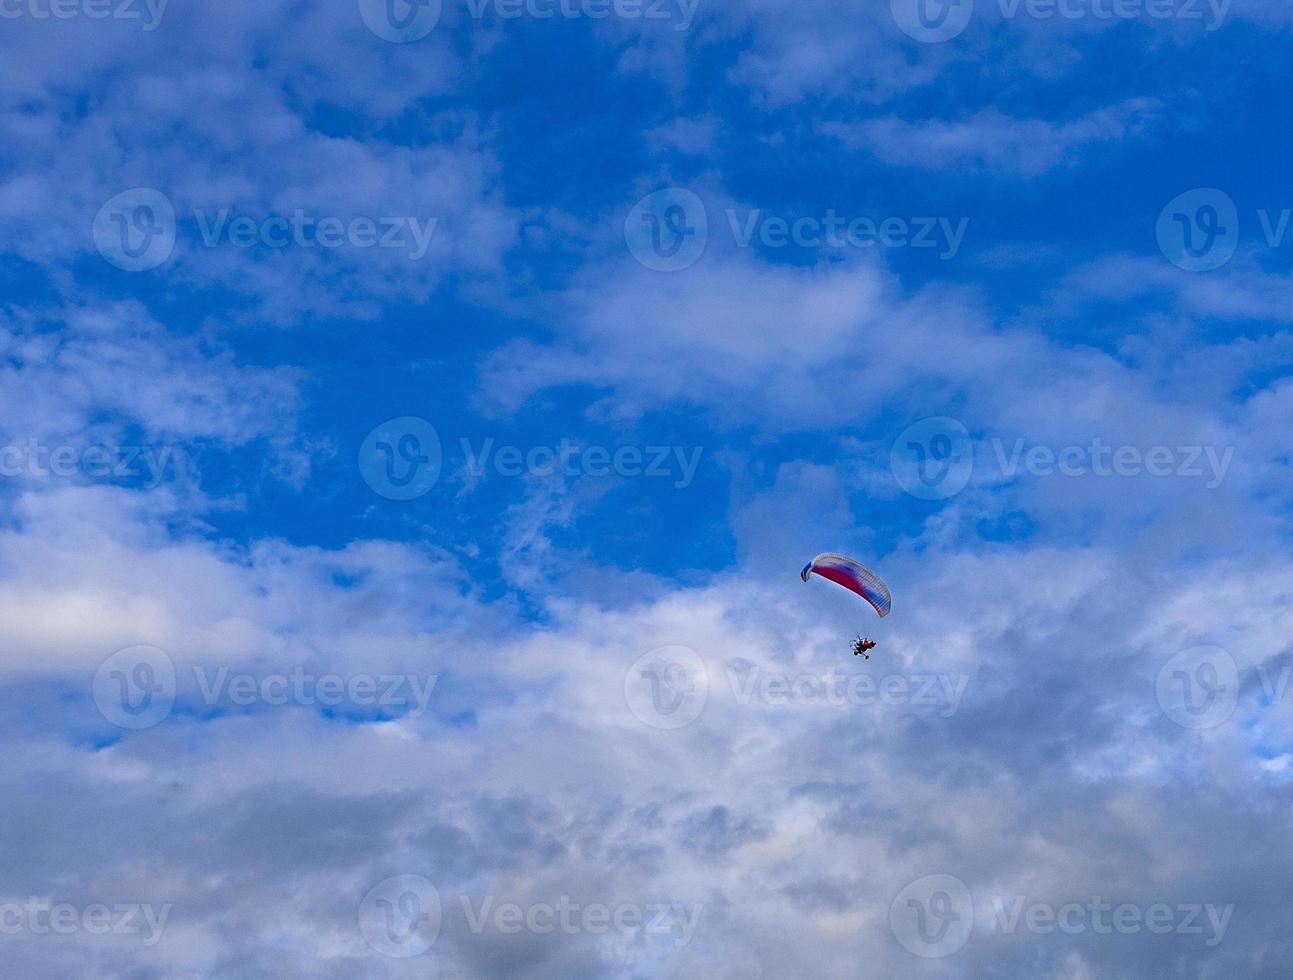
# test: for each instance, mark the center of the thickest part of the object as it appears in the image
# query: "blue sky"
(410, 443)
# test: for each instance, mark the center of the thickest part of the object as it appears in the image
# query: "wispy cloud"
(994, 142)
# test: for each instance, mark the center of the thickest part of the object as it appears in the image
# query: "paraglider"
(857, 578)
(862, 647)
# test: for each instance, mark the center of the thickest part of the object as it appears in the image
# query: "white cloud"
(993, 141)
(188, 119)
(688, 135)
(112, 362)
(790, 827)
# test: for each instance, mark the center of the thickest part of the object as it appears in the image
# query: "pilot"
(862, 645)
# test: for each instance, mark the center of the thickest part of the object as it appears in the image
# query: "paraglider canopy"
(854, 576)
